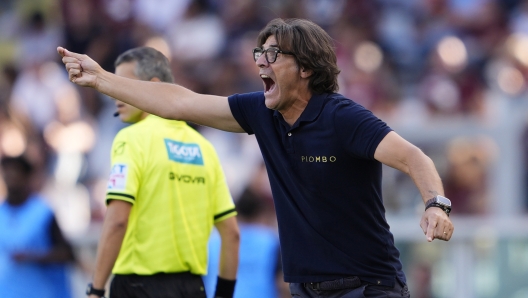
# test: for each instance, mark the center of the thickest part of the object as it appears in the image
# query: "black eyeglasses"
(271, 54)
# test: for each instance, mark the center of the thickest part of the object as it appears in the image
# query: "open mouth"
(269, 84)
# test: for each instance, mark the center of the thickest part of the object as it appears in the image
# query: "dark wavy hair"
(312, 47)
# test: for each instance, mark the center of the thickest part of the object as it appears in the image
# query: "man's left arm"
(227, 272)
(398, 153)
(114, 229)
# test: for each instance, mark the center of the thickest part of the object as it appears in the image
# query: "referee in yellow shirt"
(165, 192)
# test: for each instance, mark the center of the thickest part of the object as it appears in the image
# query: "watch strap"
(430, 201)
(446, 209)
(90, 290)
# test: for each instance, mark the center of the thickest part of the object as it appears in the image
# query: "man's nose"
(261, 61)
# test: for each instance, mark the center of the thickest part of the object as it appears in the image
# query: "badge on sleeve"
(119, 148)
(118, 176)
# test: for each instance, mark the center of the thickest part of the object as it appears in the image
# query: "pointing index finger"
(431, 226)
(63, 52)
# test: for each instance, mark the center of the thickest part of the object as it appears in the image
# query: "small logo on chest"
(321, 158)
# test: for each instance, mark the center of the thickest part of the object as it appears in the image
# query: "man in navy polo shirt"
(323, 153)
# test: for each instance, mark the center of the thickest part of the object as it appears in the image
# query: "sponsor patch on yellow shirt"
(118, 177)
(184, 152)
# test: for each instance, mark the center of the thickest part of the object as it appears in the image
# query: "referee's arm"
(114, 229)
(230, 236)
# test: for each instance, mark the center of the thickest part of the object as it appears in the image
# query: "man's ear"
(155, 79)
(306, 73)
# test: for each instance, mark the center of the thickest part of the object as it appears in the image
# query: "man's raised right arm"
(165, 100)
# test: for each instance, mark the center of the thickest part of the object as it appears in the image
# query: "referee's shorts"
(160, 285)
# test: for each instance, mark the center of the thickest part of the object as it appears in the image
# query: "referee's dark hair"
(150, 63)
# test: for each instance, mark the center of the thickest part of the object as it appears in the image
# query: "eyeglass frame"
(265, 53)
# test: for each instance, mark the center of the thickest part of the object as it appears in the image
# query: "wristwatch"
(440, 202)
(90, 290)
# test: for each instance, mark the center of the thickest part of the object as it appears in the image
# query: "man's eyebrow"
(272, 46)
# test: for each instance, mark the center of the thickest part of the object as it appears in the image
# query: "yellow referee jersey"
(172, 176)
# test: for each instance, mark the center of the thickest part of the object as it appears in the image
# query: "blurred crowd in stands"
(412, 62)
(408, 61)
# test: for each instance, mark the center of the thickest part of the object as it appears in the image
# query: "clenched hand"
(82, 70)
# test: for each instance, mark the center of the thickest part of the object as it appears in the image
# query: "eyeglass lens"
(271, 54)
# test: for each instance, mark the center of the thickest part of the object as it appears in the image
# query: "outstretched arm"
(165, 100)
(398, 153)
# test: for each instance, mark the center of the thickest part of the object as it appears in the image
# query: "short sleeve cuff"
(226, 214)
(120, 196)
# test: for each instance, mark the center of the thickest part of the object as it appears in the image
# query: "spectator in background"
(198, 36)
(88, 29)
(259, 250)
(37, 36)
(17, 133)
(469, 160)
(33, 252)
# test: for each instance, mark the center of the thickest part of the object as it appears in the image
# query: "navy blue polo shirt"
(326, 187)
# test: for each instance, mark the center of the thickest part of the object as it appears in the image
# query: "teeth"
(264, 76)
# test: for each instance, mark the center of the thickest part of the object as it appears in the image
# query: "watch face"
(443, 200)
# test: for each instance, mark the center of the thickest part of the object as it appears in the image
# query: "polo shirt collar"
(312, 110)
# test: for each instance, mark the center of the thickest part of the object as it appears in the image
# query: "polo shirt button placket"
(288, 142)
